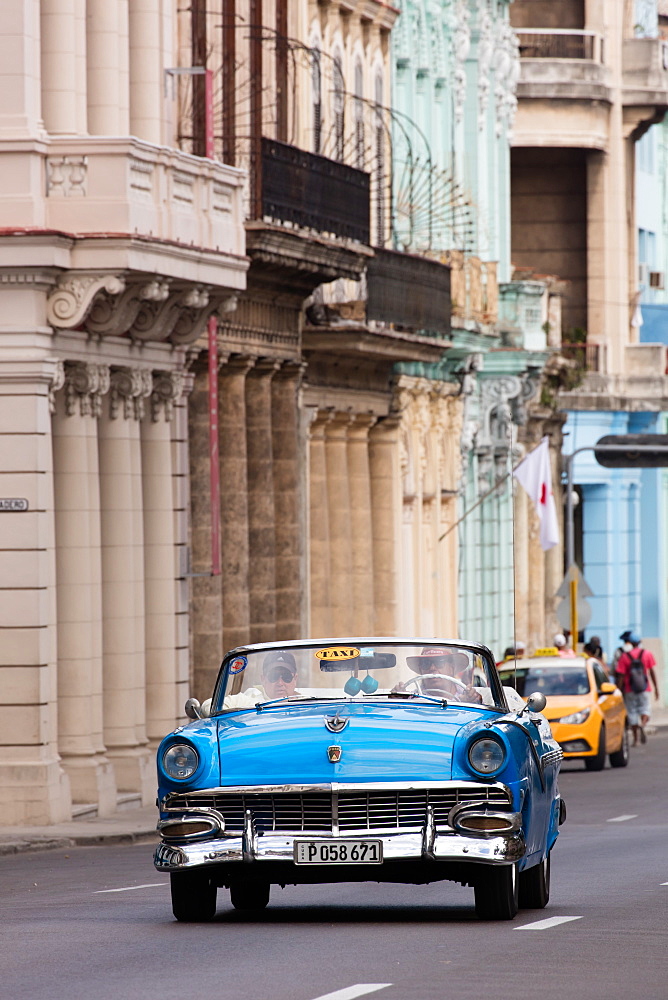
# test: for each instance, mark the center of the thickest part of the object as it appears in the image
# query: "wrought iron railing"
(560, 43)
(314, 191)
(409, 291)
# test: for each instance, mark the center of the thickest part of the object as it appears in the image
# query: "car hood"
(566, 704)
(289, 744)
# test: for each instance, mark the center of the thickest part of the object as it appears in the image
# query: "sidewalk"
(132, 826)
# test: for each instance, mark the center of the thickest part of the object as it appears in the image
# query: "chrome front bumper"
(427, 845)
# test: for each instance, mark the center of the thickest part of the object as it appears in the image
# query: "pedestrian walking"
(634, 670)
(626, 647)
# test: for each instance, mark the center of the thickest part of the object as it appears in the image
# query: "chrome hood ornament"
(335, 723)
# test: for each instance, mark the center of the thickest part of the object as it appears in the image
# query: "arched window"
(359, 114)
(316, 98)
(338, 101)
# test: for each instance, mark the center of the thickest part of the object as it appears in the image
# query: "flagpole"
(477, 503)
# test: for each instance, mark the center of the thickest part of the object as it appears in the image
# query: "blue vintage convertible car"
(359, 759)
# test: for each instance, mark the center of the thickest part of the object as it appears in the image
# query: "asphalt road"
(95, 922)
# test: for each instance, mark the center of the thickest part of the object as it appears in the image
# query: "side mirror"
(607, 688)
(536, 702)
(193, 709)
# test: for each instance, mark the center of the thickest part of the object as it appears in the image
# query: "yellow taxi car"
(585, 710)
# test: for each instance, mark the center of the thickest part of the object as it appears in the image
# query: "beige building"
(115, 249)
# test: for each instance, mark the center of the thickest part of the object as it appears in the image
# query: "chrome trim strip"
(336, 786)
(429, 836)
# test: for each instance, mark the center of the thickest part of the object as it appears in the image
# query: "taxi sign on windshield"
(338, 653)
(547, 651)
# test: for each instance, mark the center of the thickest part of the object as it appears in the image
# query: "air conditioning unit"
(643, 275)
(656, 279)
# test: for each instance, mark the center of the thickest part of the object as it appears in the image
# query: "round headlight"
(180, 761)
(486, 756)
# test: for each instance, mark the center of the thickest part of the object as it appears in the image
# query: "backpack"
(637, 675)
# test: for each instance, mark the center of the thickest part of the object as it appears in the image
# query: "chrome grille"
(314, 812)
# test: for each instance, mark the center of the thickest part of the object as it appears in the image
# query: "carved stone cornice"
(130, 387)
(85, 385)
(115, 314)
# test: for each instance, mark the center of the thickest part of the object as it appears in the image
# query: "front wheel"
(534, 886)
(193, 896)
(496, 895)
(620, 758)
(597, 763)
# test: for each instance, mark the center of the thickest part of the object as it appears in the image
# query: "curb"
(23, 846)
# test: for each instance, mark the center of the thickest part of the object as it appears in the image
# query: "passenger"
(561, 643)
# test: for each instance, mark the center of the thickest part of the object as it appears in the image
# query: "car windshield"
(354, 670)
(549, 680)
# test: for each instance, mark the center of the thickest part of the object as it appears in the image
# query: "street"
(96, 921)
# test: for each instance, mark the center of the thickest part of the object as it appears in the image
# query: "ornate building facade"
(115, 250)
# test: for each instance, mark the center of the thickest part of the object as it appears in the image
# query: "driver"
(441, 670)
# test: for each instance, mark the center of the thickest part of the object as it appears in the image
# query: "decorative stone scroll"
(130, 387)
(167, 389)
(113, 315)
(69, 303)
(85, 385)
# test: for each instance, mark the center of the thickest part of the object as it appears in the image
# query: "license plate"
(339, 852)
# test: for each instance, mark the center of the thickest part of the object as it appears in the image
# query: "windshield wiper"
(291, 698)
(411, 694)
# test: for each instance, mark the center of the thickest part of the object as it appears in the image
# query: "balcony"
(645, 76)
(563, 90)
(409, 291)
(314, 192)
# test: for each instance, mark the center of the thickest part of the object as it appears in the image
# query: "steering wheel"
(433, 692)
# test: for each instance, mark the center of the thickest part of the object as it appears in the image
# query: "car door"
(612, 707)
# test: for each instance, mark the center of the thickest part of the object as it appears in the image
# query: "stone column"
(261, 507)
(162, 710)
(319, 572)
(386, 514)
(78, 574)
(207, 604)
(340, 543)
(288, 499)
(146, 70)
(34, 788)
(20, 106)
(361, 525)
(107, 43)
(123, 582)
(234, 501)
(61, 41)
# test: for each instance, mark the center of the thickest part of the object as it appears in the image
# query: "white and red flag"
(535, 475)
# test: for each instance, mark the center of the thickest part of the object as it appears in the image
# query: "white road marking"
(350, 992)
(543, 925)
(126, 888)
(623, 819)
(664, 883)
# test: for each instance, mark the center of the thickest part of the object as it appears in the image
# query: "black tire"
(252, 896)
(597, 763)
(620, 758)
(534, 886)
(496, 894)
(193, 896)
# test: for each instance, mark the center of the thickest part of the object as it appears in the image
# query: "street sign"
(573, 573)
(13, 504)
(574, 611)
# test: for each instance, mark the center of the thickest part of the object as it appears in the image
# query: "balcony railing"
(560, 43)
(314, 192)
(409, 291)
